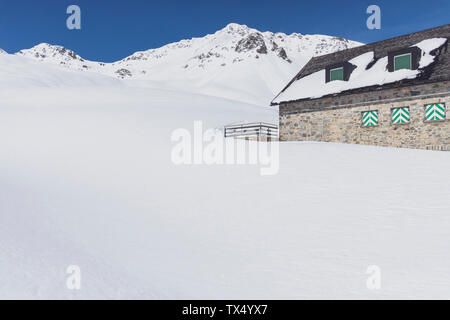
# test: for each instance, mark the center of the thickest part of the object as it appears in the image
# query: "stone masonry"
(339, 118)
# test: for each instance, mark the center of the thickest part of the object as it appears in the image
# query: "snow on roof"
(314, 85)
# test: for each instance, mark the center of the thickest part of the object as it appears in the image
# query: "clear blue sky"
(113, 29)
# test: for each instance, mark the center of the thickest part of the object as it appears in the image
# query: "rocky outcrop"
(254, 40)
(123, 73)
(280, 52)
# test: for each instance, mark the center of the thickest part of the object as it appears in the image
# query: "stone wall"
(331, 120)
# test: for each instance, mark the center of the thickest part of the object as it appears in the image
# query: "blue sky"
(113, 29)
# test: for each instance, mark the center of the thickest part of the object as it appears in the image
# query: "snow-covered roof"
(370, 67)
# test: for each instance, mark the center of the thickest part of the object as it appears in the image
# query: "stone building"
(394, 92)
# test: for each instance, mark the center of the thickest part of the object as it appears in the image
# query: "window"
(339, 71)
(337, 74)
(370, 118)
(406, 58)
(400, 115)
(402, 61)
(435, 112)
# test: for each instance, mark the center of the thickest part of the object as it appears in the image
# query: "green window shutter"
(337, 74)
(370, 118)
(400, 115)
(402, 62)
(435, 112)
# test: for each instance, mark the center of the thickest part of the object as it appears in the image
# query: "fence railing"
(254, 130)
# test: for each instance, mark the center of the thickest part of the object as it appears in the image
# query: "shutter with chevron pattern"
(400, 115)
(370, 118)
(435, 112)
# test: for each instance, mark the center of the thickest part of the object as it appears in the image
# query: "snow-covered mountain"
(236, 62)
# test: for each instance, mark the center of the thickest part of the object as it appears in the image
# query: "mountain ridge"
(237, 61)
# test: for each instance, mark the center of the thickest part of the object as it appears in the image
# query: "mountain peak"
(236, 56)
(46, 51)
(235, 27)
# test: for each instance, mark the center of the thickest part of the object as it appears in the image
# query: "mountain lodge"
(394, 92)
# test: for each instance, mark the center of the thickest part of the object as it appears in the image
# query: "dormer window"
(340, 71)
(402, 61)
(337, 74)
(407, 58)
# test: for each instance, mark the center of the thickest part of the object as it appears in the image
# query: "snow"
(314, 85)
(22, 72)
(207, 65)
(86, 179)
(427, 46)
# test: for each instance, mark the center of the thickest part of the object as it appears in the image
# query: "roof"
(372, 59)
